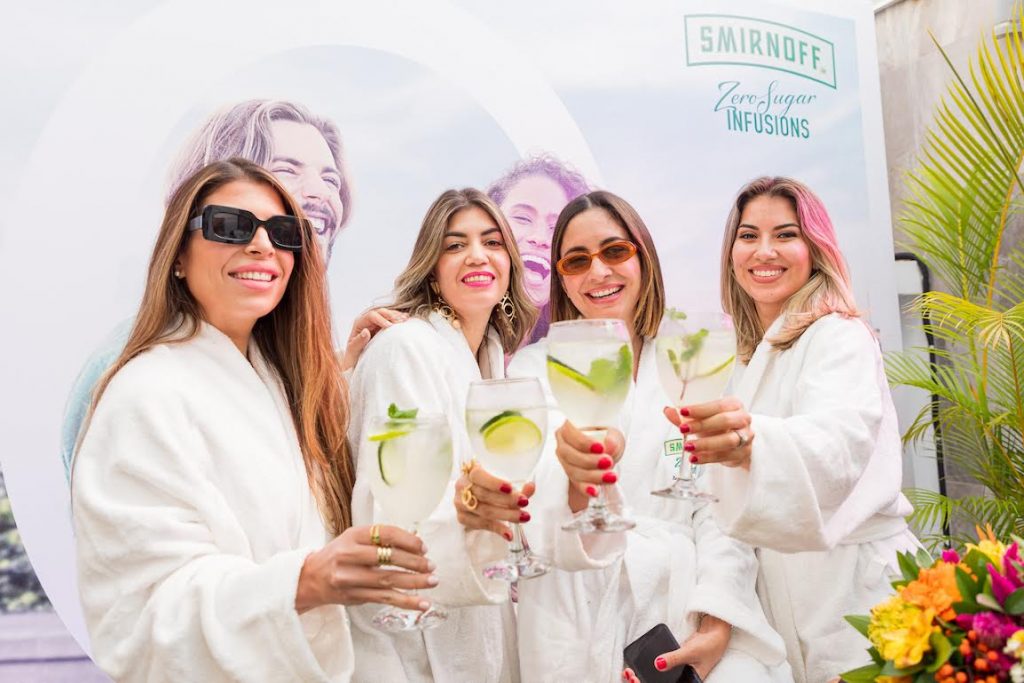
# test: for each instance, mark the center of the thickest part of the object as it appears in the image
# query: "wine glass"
(695, 356)
(507, 423)
(590, 369)
(410, 476)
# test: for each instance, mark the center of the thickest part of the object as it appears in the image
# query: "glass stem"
(684, 472)
(518, 547)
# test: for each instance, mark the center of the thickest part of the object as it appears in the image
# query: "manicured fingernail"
(431, 566)
(610, 478)
(604, 463)
(432, 580)
(423, 548)
(685, 412)
(506, 488)
(507, 535)
(684, 428)
(424, 605)
(524, 516)
(660, 664)
(694, 459)
(592, 492)
(690, 447)
(597, 448)
(523, 501)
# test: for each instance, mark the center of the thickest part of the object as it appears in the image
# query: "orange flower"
(935, 588)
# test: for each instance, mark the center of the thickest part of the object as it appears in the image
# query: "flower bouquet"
(952, 620)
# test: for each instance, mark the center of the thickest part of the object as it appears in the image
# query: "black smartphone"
(641, 653)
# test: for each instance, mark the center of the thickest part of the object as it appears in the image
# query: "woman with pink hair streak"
(807, 446)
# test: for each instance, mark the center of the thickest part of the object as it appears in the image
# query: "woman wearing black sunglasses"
(214, 471)
(675, 567)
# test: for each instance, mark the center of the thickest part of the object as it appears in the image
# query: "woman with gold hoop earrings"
(462, 289)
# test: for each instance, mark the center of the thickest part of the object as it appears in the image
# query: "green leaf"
(609, 376)
(908, 566)
(395, 414)
(891, 669)
(942, 648)
(1015, 602)
(859, 622)
(967, 586)
(864, 674)
(988, 602)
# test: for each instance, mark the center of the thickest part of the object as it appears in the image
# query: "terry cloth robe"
(822, 496)
(427, 364)
(193, 517)
(675, 565)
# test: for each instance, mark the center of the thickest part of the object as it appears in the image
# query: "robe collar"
(750, 376)
(491, 344)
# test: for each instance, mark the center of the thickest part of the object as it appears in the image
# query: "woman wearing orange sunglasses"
(675, 567)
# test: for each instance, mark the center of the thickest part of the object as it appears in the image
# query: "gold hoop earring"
(507, 308)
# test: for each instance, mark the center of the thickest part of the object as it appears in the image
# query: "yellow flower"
(900, 631)
(894, 679)
(1015, 645)
(988, 545)
(935, 588)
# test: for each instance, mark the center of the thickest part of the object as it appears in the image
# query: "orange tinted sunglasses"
(612, 253)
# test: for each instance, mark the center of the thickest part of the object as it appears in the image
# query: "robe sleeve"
(805, 467)
(404, 365)
(168, 587)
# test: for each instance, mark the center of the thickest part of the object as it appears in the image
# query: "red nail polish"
(523, 501)
(610, 478)
(694, 459)
(592, 492)
(507, 535)
(690, 447)
(660, 664)
(524, 516)
(604, 463)
(506, 488)
(685, 412)
(597, 448)
(684, 428)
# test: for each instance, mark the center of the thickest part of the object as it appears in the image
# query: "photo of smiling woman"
(531, 194)
(464, 294)
(675, 567)
(213, 472)
(809, 440)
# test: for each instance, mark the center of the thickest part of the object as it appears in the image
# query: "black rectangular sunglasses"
(237, 226)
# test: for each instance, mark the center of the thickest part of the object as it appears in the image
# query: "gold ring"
(383, 555)
(375, 534)
(468, 499)
(744, 440)
(468, 466)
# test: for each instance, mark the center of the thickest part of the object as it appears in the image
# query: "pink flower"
(1012, 565)
(1001, 586)
(950, 556)
(993, 629)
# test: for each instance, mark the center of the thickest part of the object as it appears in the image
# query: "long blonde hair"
(295, 338)
(651, 302)
(413, 294)
(828, 289)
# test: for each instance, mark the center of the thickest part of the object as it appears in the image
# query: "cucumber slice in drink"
(510, 433)
(391, 461)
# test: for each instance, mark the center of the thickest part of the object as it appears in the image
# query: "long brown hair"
(413, 294)
(295, 338)
(828, 289)
(651, 303)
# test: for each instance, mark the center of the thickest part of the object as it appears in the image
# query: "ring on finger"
(375, 535)
(468, 499)
(383, 555)
(468, 466)
(743, 438)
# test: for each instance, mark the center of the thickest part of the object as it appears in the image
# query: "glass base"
(511, 569)
(395, 620)
(683, 489)
(600, 520)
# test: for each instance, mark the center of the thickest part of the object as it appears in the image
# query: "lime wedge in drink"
(721, 367)
(391, 461)
(509, 433)
(557, 368)
(388, 435)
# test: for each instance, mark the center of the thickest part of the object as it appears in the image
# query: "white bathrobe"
(822, 496)
(427, 364)
(193, 517)
(674, 566)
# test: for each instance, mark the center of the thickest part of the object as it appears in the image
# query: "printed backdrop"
(673, 104)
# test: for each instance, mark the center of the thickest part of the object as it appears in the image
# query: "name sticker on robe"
(674, 447)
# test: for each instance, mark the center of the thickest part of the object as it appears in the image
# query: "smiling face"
(237, 284)
(303, 162)
(603, 291)
(532, 206)
(771, 260)
(473, 270)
